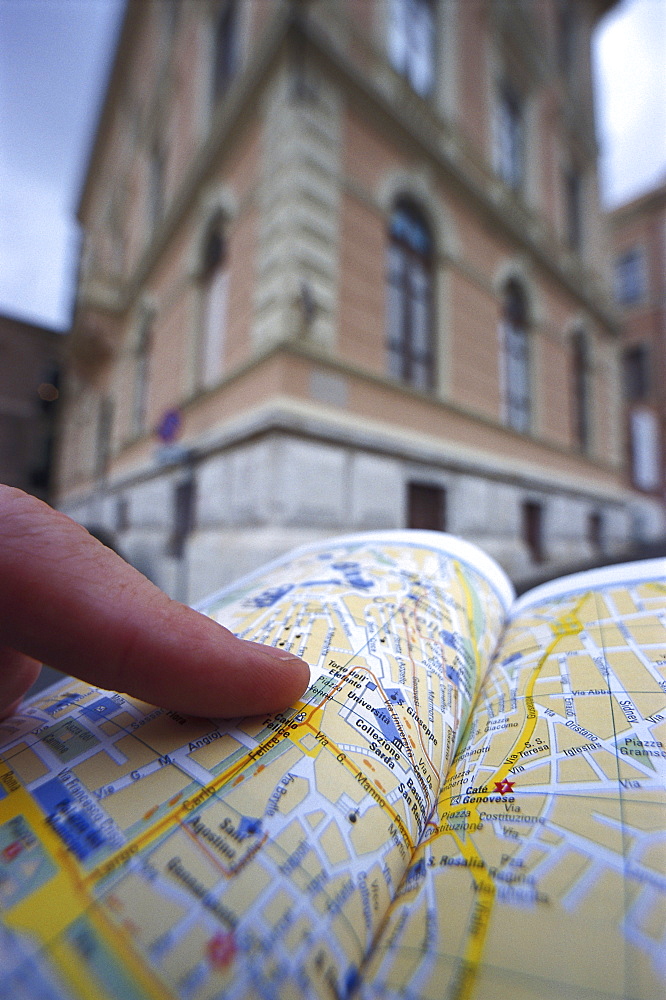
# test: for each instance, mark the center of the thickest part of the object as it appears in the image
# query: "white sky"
(54, 61)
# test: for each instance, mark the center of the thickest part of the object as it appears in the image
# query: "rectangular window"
(566, 26)
(574, 209)
(411, 42)
(122, 514)
(533, 530)
(595, 531)
(226, 49)
(581, 390)
(156, 186)
(637, 372)
(510, 140)
(645, 450)
(104, 432)
(426, 507)
(630, 278)
(184, 496)
(141, 376)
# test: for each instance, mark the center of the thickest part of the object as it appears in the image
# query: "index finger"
(71, 602)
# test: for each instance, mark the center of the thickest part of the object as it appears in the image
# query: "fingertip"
(245, 678)
(293, 671)
(274, 678)
(17, 675)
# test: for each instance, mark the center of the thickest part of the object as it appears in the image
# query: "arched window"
(580, 389)
(516, 361)
(409, 298)
(214, 281)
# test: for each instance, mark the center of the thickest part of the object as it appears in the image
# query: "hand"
(67, 600)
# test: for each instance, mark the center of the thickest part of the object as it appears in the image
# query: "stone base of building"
(194, 525)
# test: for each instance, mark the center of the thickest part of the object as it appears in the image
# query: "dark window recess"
(142, 375)
(516, 358)
(533, 530)
(104, 433)
(581, 391)
(595, 531)
(156, 187)
(225, 63)
(630, 277)
(573, 188)
(122, 514)
(637, 372)
(510, 137)
(214, 253)
(566, 24)
(183, 516)
(426, 507)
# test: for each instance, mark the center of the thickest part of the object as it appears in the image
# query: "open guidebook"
(469, 803)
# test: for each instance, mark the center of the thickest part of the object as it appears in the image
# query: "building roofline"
(99, 132)
(31, 326)
(648, 201)
(291, 22)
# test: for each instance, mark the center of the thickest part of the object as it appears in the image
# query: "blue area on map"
(249, 826)
(53, 795)
(101, 709)
(383, 720)
(395, 695)
(322, 583)
(387, 729)
(353, 575)
(3, 793)
(453, 674)
(352, 981)
(68, 820)
(417, 870)
(448, 638)
(63, 703)
(371, 686)
(511, 659)
(271, 596)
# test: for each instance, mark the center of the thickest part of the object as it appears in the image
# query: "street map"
(417, 826)
(543, 873)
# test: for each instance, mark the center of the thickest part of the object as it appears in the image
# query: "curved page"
(544, 874)
(147, 855)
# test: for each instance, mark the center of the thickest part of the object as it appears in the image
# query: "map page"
(145, 855)
(544, 872)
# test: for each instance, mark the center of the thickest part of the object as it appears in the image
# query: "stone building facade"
(344, 268)
(30, 361)
(639, 241)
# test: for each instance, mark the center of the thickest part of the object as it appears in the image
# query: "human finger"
(69, 601)
(17, 674)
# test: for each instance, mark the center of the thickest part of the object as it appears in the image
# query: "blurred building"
(344, 268)
(639, 242)
(30, 358)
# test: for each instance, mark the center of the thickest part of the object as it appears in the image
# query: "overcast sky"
(54, 61)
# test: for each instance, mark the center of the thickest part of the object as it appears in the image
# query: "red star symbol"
(504, 787)
(221, 950)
